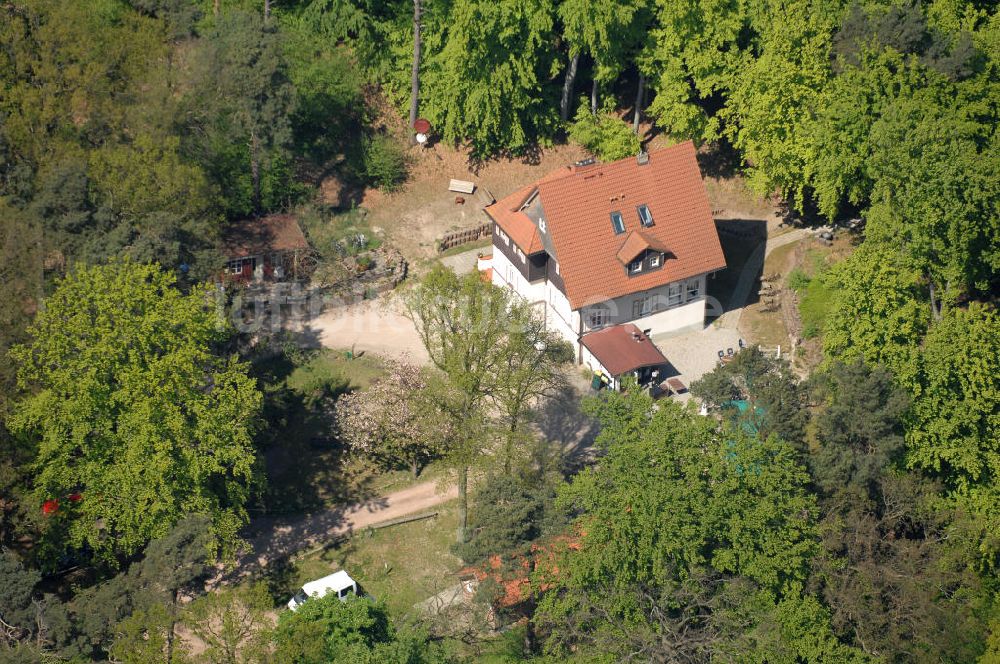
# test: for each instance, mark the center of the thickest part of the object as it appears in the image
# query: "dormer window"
(635, 266)
(617, 223)
(645, 216)
(654, 260)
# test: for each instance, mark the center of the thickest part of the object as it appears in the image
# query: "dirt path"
(276, 538)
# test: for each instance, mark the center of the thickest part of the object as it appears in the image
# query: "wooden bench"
(461, 186)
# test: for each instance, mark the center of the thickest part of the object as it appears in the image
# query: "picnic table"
(676, 386)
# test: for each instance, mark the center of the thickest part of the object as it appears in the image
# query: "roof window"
(645, 216)
(617, 223)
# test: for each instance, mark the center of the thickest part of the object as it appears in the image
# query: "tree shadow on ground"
(309, 496)
(564, 426)
(530, 155)
(719, 159)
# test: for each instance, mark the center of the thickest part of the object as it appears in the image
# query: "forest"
(849, 515)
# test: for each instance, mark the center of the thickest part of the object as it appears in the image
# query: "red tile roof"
(516, 224)
(622, 348)
(252, 237)
(577, 203)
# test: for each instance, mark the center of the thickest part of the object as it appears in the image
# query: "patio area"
(695, 353)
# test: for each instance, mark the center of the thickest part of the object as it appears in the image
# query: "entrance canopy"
(623, 348)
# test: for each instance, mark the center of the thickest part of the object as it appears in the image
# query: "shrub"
(385, 162)
(606, 135)
(798, 280)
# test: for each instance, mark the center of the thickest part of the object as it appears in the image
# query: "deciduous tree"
(692, 538)
(954, 427)
(392, 422)
(137, 419)
(474, 334)
(482, 84)
(233, 624)
(774, 401)
(354, 630)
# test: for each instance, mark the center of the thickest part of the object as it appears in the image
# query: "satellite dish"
(421, 138)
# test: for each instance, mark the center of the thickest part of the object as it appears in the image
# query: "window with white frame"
(654, 260)
(239, 265)
(635, 266)
(541, 225)
(642, 306)
(503, 236)
(693, 289)
(520, 254)
(673, 295)
(598, 317)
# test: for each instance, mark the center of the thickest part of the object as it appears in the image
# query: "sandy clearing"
(375, 326)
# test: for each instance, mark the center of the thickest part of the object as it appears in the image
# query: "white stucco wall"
(505, 274)
(687, 314)
(561, 318)
(558, 315)
(595, 366)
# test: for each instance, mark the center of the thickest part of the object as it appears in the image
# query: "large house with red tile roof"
(596, 246)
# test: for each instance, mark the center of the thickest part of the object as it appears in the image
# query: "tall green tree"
(475, 333)
(860, 426)
(609, 31)
(137, 418)
(768, 104)
(894, 570)
(773, 401)
(876, 313)
(937, 190)
(354, 630)
(243, 97)
(692, 539)
(698, 50)
(954, 427)
(483, 84)
(233, 624)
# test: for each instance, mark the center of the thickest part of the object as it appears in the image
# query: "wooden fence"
(464, 237)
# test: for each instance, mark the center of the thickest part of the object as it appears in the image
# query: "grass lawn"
(332, 365)
(815, 293)
(400, 565)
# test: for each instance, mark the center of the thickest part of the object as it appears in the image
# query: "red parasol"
(49, 507)
(421, 126)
